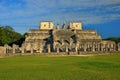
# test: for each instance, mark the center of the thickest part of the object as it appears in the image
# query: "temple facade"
(65, 40)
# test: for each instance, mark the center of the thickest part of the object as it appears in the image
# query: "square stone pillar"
(114, 47)
(40, 51)
(14, 48)
(76, 49)
(102, 47)
(98, 47)
(49, 51)
(53, 47)
(93, 48)
(57, 49)
(31, 50)
(106, 47)
(66, 49)
(40, 48)
(118, 46)
(62, 41)
(85, 49)
(22, 49)
(71, 41)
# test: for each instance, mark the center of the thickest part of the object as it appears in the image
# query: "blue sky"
(100, 15)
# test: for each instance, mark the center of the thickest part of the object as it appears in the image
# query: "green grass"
(104, 67)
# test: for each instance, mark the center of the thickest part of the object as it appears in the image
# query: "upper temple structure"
(65, 40)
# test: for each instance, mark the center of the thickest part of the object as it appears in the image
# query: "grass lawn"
(102, 67)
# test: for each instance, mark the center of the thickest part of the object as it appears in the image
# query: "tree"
(8, 35)
(9, 28)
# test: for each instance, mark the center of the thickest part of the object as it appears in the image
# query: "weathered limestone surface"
(46, 25)
(76, 25)
(2, 51)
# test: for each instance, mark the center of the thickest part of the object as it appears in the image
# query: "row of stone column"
(81, 48)
(92, 48)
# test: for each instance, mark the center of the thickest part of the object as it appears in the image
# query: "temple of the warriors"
(64, 40)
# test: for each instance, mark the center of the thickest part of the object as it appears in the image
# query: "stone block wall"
(2, 51)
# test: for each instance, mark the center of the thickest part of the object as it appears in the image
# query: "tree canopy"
(8, 35)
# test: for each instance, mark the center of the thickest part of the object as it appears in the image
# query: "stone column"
(93, 48)
(71, 41)
(106, 47)
(62, 42)
(31, 50)
(76, 49)
(109, 47)
(98, 46)
(118, 46)
(114, 47)
(40, 48)
(49, 51)
(85, 47)
(54, 44)
(13, 50)
(66, 49)
(57, 49)
(102, 46)
(22, 49)
(14, 47)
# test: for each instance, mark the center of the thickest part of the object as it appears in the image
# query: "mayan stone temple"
(68, 40)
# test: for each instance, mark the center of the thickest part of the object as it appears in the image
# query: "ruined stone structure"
(69, 40)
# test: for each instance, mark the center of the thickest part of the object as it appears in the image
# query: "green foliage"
(103, 67)
(8, 35)
(117, 40)
(9, 28)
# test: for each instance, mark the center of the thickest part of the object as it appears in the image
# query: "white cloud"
(87, 11)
